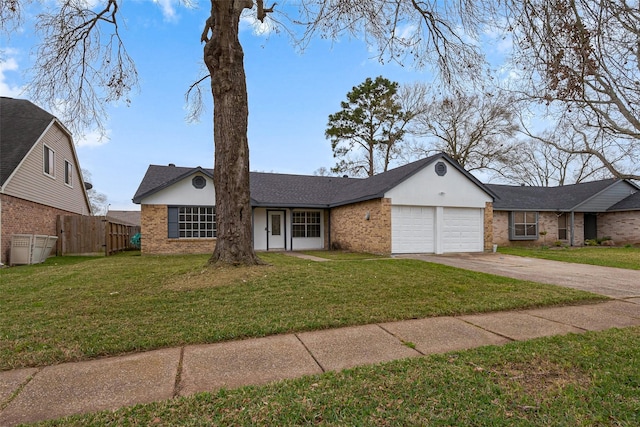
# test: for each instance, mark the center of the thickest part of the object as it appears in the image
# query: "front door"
(590, 226)
(275, 230)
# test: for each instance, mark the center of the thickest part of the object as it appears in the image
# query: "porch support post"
(572, 228)
(290, 231)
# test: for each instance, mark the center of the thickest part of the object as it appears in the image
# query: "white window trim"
(306, 224)
(51, 166)
(70, 183)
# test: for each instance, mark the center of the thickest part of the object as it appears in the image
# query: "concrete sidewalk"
(30, 395)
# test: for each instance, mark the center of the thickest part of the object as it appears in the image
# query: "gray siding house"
(40, 175)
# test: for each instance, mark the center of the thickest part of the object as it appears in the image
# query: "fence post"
(59, 234)
(107, 226)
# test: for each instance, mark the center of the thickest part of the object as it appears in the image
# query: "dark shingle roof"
(270, 189)
(631, 203)
(159, 177)
(282, 190)
(21, 124)
(562, 198)
(127, 217)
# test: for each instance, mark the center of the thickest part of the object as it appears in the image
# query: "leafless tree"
(534, 161)
(582, 58)
(99, 201)
(475, 130)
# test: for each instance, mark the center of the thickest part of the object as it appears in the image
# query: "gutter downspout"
(1, 251)
(329, 230)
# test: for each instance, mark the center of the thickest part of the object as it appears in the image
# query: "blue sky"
(290, 98)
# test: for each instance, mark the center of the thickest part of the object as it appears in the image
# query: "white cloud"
(7, 88)
(92, 139)
(168, 9)
(248, 20)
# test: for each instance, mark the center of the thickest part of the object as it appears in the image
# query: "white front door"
(275, 230)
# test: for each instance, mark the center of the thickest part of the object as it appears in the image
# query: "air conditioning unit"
(30, 249)
(21, 245)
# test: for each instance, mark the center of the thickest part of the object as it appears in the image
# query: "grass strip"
(73, 309)
(619, 257)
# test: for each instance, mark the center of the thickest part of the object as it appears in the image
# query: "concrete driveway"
(613, 282)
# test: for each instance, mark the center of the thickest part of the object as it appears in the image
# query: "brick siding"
(21, 216)
(155, 240)
(547, 221)
(622, 227)
(350, 230)
(488, 226)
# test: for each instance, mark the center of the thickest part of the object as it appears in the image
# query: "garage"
(412, 229)
(463, 230)
(425, 229)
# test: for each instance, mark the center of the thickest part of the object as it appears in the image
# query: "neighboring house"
(124, 217)
(569, 214)
(428, 206)
(40, 174)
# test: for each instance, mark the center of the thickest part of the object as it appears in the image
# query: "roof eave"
(137, 199)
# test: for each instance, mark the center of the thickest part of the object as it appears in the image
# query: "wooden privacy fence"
(83, 235)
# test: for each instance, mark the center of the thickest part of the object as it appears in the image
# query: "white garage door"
(463, 230)
(412, 229)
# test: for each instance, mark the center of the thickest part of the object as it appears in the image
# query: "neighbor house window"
(563, 221)
(306, 224)
(524, 226)
(68, 173)
(49, 161)
(191, 222)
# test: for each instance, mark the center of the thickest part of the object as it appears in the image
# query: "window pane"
(275, 224)
(68, 172)
(196, 221)
(518, 217)
(530, 217)
(298, 230)
(313, 230)
(49, 161)
(531, 230)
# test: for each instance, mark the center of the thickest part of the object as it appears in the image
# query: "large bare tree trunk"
(223, 57)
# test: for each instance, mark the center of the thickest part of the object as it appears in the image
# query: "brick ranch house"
(569, 214)
(428, 206)
(40, 174)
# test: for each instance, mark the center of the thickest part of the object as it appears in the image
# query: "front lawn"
(79, 308)
(620, 257)
(575, 380)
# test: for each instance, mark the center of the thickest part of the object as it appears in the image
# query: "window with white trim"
(68, 173)
(305, 224)
(192, 222)
(49, 162)
(523, 226)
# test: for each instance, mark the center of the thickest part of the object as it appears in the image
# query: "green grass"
(343, 255)
(575, 380)
(71, 309)
(605, 256)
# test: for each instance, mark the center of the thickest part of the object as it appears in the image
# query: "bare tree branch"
(75, 59)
